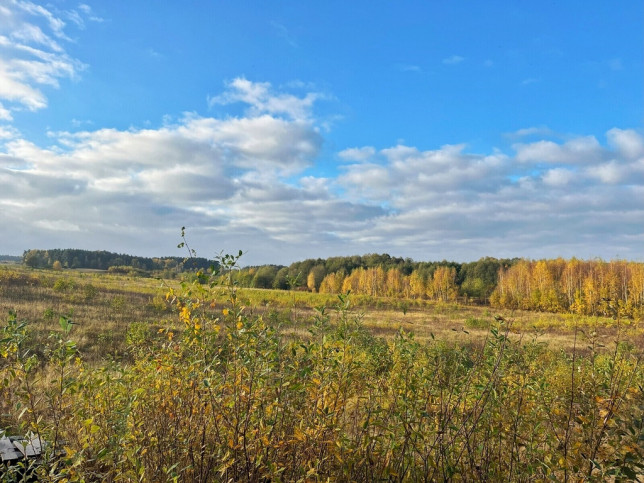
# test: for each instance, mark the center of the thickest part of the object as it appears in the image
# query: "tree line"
(592, 287)
(585, 287)
(381, 275)
(103, 260)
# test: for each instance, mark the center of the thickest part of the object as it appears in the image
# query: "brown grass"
(104, 305)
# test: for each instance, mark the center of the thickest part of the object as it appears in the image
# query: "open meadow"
(313, 242)
(140, 378)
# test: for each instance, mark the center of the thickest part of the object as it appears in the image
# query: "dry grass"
(317, 398)
(104, 305)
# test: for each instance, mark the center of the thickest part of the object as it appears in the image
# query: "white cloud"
(249, 182)
(55, 24)
(8, 132)
(31, 56)
(542, 131)
(558, 177)
(262, 100)
(627, 141)
(578, 150)
(357, 154)
(16, 91)
(202, 171)
(612, 172)
(368, 181)
(407, 176)
(83, 13)
(448, 201)
(5, 114)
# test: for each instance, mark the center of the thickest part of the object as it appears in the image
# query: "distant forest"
(592, 287)
(377, 275)
(116, 262)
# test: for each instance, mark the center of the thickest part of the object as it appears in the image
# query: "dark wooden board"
(29, 447)
(8, 450)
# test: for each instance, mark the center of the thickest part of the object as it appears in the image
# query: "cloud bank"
(249, 182)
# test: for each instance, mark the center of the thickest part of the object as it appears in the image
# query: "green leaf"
(65, 324)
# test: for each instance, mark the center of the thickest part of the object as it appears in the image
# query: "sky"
(449, 130)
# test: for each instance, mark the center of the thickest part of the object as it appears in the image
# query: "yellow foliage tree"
(417, 285)
(443, 285)
(332, 283)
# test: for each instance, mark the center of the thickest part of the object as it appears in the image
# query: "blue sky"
(434, 130)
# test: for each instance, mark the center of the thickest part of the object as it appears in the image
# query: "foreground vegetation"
(201, 382)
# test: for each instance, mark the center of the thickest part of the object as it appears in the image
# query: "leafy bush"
(63, 284)
(229, 398)
(474, 323)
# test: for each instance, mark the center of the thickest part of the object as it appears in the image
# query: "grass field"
(105, 305)
(155, 381)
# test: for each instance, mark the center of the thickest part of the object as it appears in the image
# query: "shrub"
(248, 404)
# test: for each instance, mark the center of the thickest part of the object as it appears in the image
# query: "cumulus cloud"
(406, 176)
(558, 177)
(251, 182)
(243, 183)
(261, 99)
(357, 154)
(611, 173)
(578, 150)
(8, 132)
(232, 177)
(449, 201)
(627, 141)
(196, 159)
